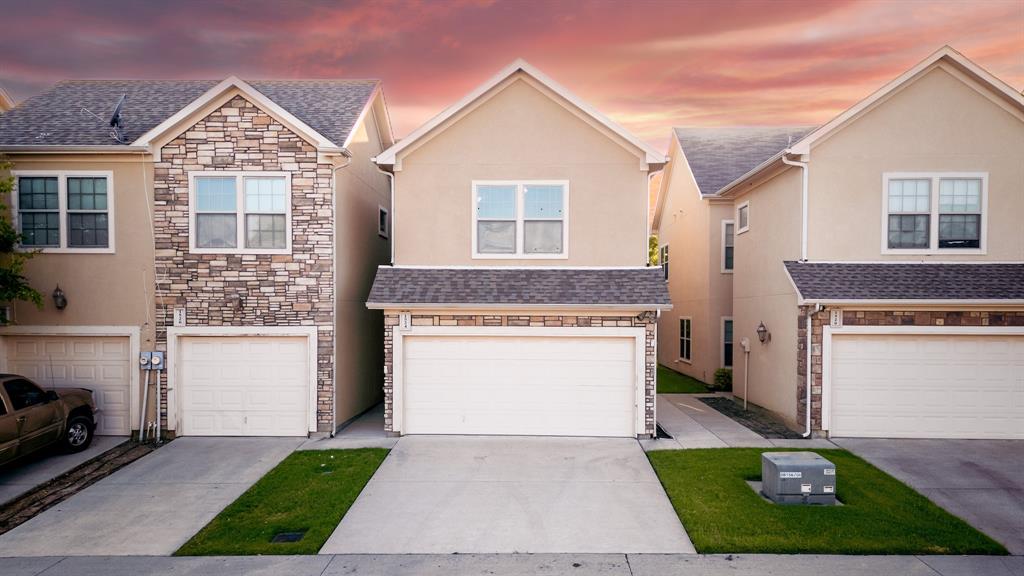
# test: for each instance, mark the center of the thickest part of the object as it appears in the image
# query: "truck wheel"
(79, 434)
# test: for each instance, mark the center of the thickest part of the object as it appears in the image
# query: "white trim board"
(637, 333)
(173, 379)
(828, 332)
(390, 156)
(133, 333)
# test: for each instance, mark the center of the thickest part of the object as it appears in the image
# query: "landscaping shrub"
(723, 380)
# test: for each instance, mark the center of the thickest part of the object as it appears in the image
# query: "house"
(234, 225)
(519, 300)
(878, 272)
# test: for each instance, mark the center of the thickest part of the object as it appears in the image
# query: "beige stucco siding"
(763, 293)
(522, 132)
(102, 289)
(937, 123)
(359, 358)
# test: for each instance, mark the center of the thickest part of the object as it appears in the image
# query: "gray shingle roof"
(55, 117)
(717, 156)
(897, 281)
(518, 286)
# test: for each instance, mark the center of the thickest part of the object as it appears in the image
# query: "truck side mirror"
(51, 396)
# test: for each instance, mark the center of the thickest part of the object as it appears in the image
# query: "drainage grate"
(287, 537)
(662, 433)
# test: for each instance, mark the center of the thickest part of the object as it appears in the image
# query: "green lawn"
(308, 491)
(672, 382)
(880, 514)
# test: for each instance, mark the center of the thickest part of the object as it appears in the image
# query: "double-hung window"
(663, 260)
(64, 211)
(743, 218)
(240, 213)
(527, 219)
(728, 245)
(727, 342)
(685, 339)
(926, 213)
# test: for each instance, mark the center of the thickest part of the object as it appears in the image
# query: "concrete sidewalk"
(518, 565)
(21, 476)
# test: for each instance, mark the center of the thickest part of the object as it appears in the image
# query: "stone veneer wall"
(294, 289)
(647, 320)
(875, 318)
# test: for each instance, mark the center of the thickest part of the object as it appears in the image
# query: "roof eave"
(63, 149)
(516, 306)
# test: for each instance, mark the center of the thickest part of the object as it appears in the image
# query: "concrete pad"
(155, 504)
(802, 443)
(491, 564)
(25, 566)
(776, 565)
(23, 475)
(730, 432)
(981, 481)
(366, 431)
(975, 565)
(191, 566)
(465, 494)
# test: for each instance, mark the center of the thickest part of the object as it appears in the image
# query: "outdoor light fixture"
(763, 334)
(59, 299)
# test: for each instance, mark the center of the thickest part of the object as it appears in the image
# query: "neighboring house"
(6, 102)
(519, 300)
(235, 225)
(885, 251)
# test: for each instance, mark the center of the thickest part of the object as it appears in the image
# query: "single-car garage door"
(927, 386)
(99, 363)
(244, 386)
(552, 386)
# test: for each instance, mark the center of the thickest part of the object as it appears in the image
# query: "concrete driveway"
(981, 481)
(466, 494)
(154, 505)
(21, 476)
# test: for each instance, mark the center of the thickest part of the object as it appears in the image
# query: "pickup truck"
(32, 418)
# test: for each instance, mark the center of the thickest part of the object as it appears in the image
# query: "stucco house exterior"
(882, 253)
(234, 225)
(519, 300)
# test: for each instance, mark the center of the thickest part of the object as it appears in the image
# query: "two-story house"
(519, 300)
(235, 225)
(878, 273)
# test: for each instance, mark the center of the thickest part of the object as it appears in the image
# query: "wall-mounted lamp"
(235, 301)
(763, 334)
(59, 299)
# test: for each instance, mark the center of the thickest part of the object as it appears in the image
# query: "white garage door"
(100, 363)
(244, 386)
(927, 386)
(551, 386)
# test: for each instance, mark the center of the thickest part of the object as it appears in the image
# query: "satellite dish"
(115, 119)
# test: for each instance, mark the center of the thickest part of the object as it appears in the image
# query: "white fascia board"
(389, 156)
(62, 149)
(382, 131)
(803, 146)
(266, 104)
(728, 189)
(913, 302)
(464, 267)
(473, 306)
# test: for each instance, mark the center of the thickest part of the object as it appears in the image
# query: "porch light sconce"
(59, 299)
(763, 335)
(235, 301)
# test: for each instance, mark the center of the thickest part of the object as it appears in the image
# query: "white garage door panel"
(519, 385)
(927, 386)
(244, 386)
(100, 363)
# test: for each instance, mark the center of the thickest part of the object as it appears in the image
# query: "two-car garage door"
(927, 385)
(519, 385)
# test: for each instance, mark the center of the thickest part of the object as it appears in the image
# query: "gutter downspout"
(334, 293)
(391, 214)
(809, 378)
(803, 201)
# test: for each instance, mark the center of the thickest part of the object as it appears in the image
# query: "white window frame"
(520, 219)
(62, 204)
(721, 338)
(663, 262)
(737, 230)
(384, 232)
(240, 213)
(725, 224)
(689, 319)
(933, 221)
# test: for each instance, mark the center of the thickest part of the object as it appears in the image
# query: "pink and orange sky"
(649, 65)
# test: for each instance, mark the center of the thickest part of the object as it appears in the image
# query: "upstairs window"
(527, 219)
(240, 213)
(743, 218)
(685, 339)
(728, 244)
(926, 213)
(64, 211)
(663, 260)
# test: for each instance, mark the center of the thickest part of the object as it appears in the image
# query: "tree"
(13, 284)
(652, 251)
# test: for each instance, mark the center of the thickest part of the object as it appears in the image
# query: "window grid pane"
(910, 196)
(959, 230)
(543, 202)
(216, 231)
(266, 195)
(40, 229)
(87, 193)
(685, 341)
(542, 237)
(496, 237)
(216, 194)
(744, 216)
(908, 231)
(37, 193)
(87, 230)
(961, 195)
(265, 231)
(496, 202)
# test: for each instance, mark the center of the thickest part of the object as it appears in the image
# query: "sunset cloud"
(650, 65)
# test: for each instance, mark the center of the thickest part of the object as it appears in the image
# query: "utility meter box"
(798, 478)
